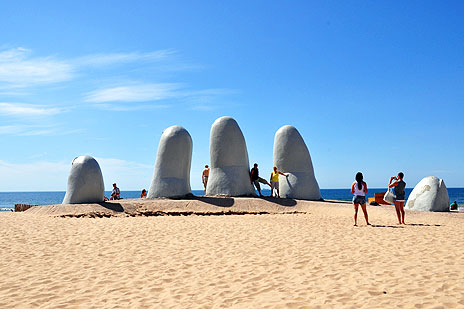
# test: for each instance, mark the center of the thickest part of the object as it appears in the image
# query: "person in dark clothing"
(398, 185)
(255, 179)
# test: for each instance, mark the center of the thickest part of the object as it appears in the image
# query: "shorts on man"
(275, 185)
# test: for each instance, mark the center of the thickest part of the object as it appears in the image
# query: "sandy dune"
(298, 255)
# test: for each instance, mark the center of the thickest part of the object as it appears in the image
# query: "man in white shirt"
(116, 193)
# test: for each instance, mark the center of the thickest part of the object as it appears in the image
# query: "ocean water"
(9, 199)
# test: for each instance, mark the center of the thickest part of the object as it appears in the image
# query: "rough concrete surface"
(85, 183)
(230, 173)
(291, 155)
(429, 195)
(172, 164)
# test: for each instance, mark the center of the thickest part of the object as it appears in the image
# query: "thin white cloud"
(37, 130)
(121, 108)
(114, 58)
(134, 93)
(15, 54)
(11, 129)
(20, 109)
(18, 69)
(198, 100)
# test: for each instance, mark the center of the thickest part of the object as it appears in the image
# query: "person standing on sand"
(359, 189)
(205, 177)
(275, 180)
(399, 187)
(255, 179)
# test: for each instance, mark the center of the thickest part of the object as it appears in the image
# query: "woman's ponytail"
(359, 179)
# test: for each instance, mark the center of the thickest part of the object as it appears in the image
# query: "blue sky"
(372, 86)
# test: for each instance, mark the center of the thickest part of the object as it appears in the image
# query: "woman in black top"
(399, 187)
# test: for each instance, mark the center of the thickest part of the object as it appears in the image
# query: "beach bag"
(389, 197)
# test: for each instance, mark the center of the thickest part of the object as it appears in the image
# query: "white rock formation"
(429, 195)
(290, 155)
(172, 165)
(85, 183)
(230, 173)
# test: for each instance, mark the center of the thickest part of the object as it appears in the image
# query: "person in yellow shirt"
(275, 180)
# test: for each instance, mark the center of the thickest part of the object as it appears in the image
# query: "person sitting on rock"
(454, 206)
(116, 193)
(143, 194)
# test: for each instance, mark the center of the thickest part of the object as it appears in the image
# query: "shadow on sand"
(335, 201)
(215, 201)
(401, 226)
(229, 201)
(387, 226)
(422, 224)
(116, 207)
(281, 201)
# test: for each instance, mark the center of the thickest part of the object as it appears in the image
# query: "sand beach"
(229, 253)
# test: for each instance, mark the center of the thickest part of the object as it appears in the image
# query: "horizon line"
(17, 191)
